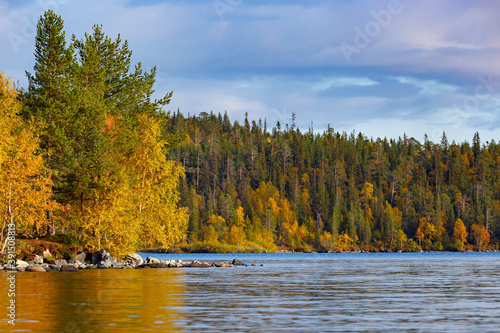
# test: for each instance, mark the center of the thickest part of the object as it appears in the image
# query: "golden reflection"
(99, 300)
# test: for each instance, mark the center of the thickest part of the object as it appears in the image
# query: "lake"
(292, 292)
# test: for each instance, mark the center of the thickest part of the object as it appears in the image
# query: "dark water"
(421, 292)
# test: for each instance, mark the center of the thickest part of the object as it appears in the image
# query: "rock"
(34, 268)
(153, 265)
(223, 264)
(21, 263)
(80, 257)
(104, 260)
(37, 260)
(237, 262)
(68, 268)
(151, 260)
(197, 263)
(21, 268)
(134, 259)
(171, 263)
(56, 267)
(59, 262)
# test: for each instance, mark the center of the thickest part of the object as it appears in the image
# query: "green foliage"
(311, 189)
(103, 140)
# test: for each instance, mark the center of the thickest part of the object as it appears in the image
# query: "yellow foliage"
(25, 184)
(237, 236)
(240, 217)
(211, 235)
(326, 240)
(460, 232)
(163, 223)
(480, 235)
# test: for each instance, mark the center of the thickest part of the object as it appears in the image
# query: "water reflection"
(99, 301)
(330, 292)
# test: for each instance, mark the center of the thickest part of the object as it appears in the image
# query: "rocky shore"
(103, 260)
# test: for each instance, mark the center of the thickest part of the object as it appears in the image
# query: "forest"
(259, 189)
(88, 154)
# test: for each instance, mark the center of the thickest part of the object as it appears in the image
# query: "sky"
(384, 68)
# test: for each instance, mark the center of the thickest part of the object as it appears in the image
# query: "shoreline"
(103, 260)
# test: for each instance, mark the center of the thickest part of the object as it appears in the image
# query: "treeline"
(250, 187)
(83, 149)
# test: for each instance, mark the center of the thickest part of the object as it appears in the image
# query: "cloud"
(427, 87)
(419, 74)
(328, 83)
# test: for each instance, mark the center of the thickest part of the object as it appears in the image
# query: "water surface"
(420, 292)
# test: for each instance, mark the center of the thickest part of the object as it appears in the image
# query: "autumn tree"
(104, 141)
(25, 183)
(480, 235)
(460, 232)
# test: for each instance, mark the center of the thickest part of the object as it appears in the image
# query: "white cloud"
(427, 87)
(328, 83)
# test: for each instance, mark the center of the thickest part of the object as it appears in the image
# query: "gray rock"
(56, 267)
(134, 258)
(237, 262)
(37, 260)
(59, 262)
(34, 268)
(223, 264)
(151, 260)
(21, 263)
(153, 265)
(170, 263)
(104, 260)
(197, 263)
(80, 257)
(68, 268)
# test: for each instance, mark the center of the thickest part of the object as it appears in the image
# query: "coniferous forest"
(256, 187)
(86, 153)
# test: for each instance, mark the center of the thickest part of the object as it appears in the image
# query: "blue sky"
(382, 68)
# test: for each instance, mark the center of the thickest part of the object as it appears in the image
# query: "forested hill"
(248, 186)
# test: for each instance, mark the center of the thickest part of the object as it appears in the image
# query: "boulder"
(170, 263)
(68, 268)
(21, 263)
(56, 267)
(59, 262)
(151, 260)
(153, 265)
(223, 264)
(237, 262)
(104, 260)
(134, 259)
(80, 257)
(197, 263)
(37, 260)
(34, 268)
